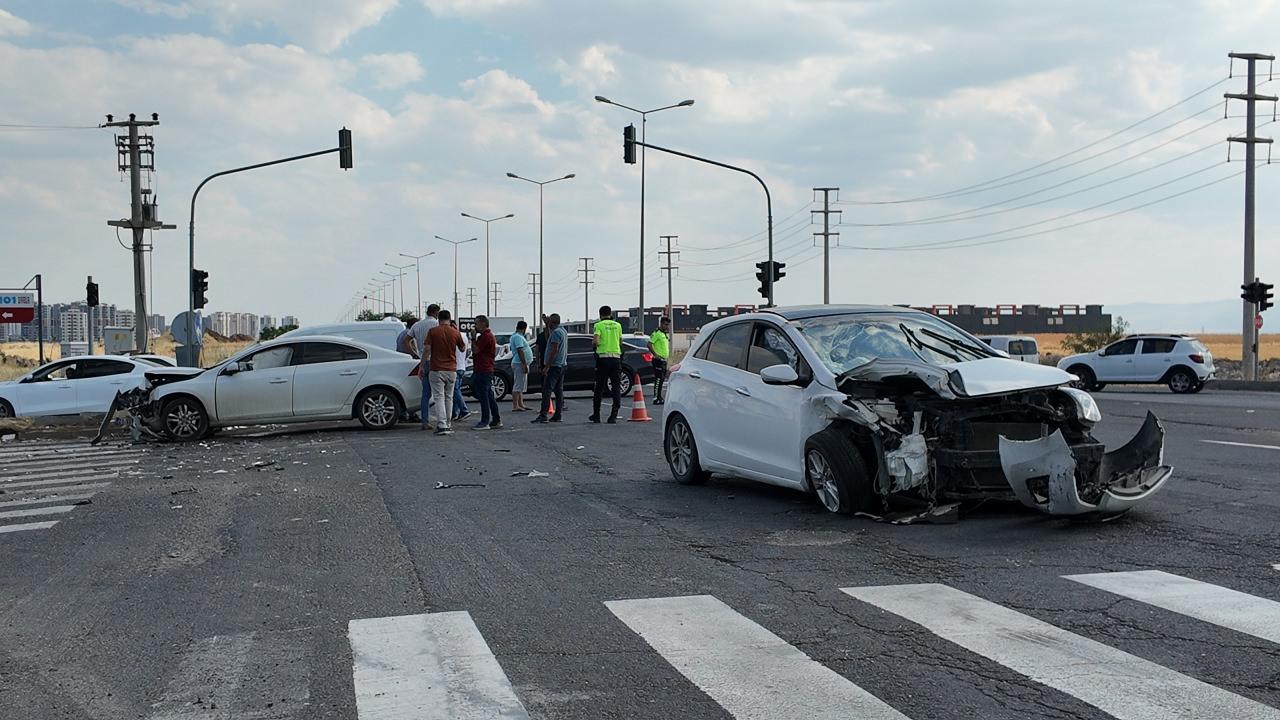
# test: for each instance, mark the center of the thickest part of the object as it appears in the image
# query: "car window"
(580, 345)
(60, 371)
(1158, 346)
(1124, 347)
(1022, 347)
(274, 357)
(311, 353)
(104, 368)
(726, 346)
(770, 347)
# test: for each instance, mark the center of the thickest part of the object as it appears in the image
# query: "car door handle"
(742, 391)
(278, 381)
(348, 373)
(117, 382)
(695, 374)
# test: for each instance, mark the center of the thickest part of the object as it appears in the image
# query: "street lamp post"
(400, 276)
(456, 312)
(487, 283)
(418, 267)
(541, 184)
(644, 118)
(392, 280)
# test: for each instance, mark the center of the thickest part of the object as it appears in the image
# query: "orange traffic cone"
(638, 411)
(551, 406)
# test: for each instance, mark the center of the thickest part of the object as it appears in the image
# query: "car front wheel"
(682, 453)
(378, 409)
(625, 383)
(6, 410)
(1181, 381)
(184, 419)
(500, 386)
(836, 473)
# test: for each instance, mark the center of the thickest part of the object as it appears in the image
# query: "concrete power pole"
(669, 253)
(826, 212)
(586, 282)
(1249, 334)
(495, 294)
(533, 296)
(135, 153)
(471, 301)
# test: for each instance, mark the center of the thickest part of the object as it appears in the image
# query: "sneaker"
(554, 418)
(480, 426)
(495, 424)
(594, 418)
(613, 420)
(463, 415)
(444, 431)
(539, 419)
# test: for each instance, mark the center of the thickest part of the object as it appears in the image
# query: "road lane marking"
(83, 464)
(28, 526)
(434, 666)
(1242, 444)
(54, 456)
(76, 483)
(78, 476)
(749, 671)
(32, 512)
(46, 499)
(1221, 606)
(1123, 685)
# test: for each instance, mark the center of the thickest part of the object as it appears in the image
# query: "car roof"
(1007, 337)
(802, 312)
(126, 358)
(319, 338)
(368, 325)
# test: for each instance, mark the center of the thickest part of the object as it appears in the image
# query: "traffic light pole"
(768, 199)
(344, 149)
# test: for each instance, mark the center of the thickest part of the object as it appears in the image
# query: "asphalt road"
(321, 574)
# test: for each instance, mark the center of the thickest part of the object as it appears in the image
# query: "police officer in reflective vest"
(607, 340)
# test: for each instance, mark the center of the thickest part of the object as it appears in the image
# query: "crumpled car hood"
(972, 378)
(164, 376)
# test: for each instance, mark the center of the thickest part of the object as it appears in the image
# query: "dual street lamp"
(487, 284)
(455, 243)
(417, 264)
(541, 184)
(638, 326)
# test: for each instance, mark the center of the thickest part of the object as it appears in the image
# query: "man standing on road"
(660, 346)
(521, 359)
(484, 353)
(460, 409)
(607, 341)
(440, 353)
(553, 364)
(402, 340)
(417, 342)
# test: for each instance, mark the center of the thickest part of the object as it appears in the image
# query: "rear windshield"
(1198, 346)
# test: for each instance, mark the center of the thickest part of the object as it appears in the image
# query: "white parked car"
(285, 380)
(858, 404)
(1016, 347)
(381, 333)
(83, 384)
(1181, 362)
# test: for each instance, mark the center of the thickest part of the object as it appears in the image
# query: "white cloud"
(469, 8)
(592, 70)
(13, 26)
(322, 25)
(497, 90)
(393, 70)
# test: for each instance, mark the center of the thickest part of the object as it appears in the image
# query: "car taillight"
(416, 371)
(1197, 358)
(648, 357)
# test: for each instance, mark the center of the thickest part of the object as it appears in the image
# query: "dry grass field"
(16, 359)
(1223, 347)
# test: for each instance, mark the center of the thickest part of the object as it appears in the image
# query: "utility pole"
(671, 254)
(471, 301)
(533, 295)
(826, 212)
(586, 282)
(135, 153)
(495, 294)
(1249, 336)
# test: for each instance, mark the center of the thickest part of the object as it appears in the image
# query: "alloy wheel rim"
(183, 420)
(499, 386)
(823, 481)
(680, 451)
(1180, 381)
(378, 409)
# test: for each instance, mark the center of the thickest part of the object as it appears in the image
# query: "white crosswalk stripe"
(20, 527)
(52, 478)
(751, 672)
(42, 497)
(1123, 685)
(32, 512)
(1221, 606)
(435, 666)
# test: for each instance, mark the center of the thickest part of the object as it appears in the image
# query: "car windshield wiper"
(916, 342)
(956, 343)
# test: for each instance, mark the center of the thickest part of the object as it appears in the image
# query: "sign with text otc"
(17, 306)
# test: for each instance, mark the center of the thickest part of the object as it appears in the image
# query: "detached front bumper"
(1044, 474)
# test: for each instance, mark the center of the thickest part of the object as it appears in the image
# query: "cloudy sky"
(1012, 127)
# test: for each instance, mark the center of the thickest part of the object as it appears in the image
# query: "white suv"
(1183, 363)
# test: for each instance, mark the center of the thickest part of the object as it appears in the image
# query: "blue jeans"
(459, 405)
(425, 411)
(482, 389)
(552, 383)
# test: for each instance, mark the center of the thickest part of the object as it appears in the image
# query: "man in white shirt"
(417, 342)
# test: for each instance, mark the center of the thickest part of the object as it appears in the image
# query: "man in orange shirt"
(440, 353)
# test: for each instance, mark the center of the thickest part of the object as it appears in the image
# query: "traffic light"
(344, 149)
(199, 286)
(1250, 293)
(629, 144)
(91, 294)
(765, 276)
(1264, 295)
(777, 271)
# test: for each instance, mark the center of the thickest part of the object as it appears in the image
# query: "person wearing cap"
(660, 347)
(607, 340)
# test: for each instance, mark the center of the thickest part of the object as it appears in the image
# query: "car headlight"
(1086, 407)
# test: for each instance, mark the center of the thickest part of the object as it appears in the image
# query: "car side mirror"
(780, 374)
(238, 367)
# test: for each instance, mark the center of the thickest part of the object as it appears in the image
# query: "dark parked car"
(581, 373)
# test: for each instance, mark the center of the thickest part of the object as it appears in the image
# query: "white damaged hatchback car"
(858, 404)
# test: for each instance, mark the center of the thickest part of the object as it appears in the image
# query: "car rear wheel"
(1087, 379)
(378, 409)
(184, 418)
(836, 473)
(500, 386)
(682, 453)
(6, 410)
(1181, 381)
(624, 385)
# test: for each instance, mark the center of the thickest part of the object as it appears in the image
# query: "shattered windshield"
(844, 342)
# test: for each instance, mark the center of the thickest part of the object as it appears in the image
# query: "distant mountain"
(1215, 316)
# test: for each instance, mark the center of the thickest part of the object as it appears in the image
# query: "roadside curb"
(1254, 385)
